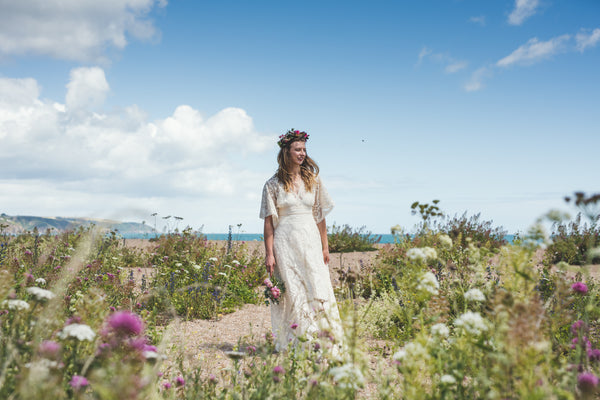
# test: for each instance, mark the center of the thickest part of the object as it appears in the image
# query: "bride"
(294, 206)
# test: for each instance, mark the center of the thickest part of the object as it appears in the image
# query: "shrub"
(343, 239)
(571, 242)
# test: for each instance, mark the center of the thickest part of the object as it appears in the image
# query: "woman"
(294, 206)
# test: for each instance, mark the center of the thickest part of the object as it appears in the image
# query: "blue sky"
(119, 109)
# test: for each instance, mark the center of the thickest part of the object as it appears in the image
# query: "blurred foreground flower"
(579, 287)
(428, 283)
(126, 323)
(471, 322)
(18, 305)
(421, 253)
(78, 382)
(474, 295)
(79, 331)
(40, 294)
(348, 376)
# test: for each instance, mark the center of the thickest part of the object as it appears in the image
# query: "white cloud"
(78, 30)
(523, 10)
(451, 65)
(585, 40)
(478, 20)
(475, 82)
(99, 160)
(87, 88)
(534, 51)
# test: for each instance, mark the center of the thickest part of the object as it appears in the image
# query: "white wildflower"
(223, 273)
(18, 305)
(348, 376)
(79, 331)
(421, 253)
(428, 283)
(471, 322)
(228, 266)
(178, 264)
(474, 295)
(411, 351)
(445, 240)
(440, 330)
(213, 259)
(115, 258)
(197, 267)
(235, 262)
(40, 281)
(150, 355)
(40, 294)
(448, 379)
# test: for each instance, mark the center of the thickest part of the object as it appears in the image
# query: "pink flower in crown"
(267, 282)
(275, 292)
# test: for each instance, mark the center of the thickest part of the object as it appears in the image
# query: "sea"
(249, 237)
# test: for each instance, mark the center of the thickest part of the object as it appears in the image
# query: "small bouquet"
(273, 290)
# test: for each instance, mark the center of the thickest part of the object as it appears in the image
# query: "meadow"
(449, 311)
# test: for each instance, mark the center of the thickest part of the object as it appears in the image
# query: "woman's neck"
(295, 170)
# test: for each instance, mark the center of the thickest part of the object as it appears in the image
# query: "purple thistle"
(593, 354)
(579, 287)
(126, 323)
(294, 326)
(278, 370)
(587, 382)
(49, 349)
(167, 385)
(577, 326)
(179, 381)
(78, 382)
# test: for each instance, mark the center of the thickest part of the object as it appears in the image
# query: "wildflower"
(448, 379)
(577, 326)
(78, 382)
(421, 253)
(445, 240)
(579, 287)
(471, 322)
(593, 354)
(275, 292)
(18, 305)
(440, 330)
(428, 283)
(40, 281)
(126, 323)
(474, 295)
(294, 326)
(28, 253)
(178, 264)
(251, 350)
(213, 259)
(179, 381)
(235, 262)
(278, 369)
(587, 382)
(40, 294)
(411, 351)
(267, 282)
(347, 376)
(223, 273)
(49, 349)
(167, 385)
(79, 331)
(212, 378)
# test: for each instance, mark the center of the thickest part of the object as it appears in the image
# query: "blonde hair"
(308, 170)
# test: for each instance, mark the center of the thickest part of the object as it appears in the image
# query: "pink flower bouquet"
(273, 290)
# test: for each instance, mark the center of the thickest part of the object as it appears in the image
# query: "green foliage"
(343, 239)
(571, 243)
(464, 230)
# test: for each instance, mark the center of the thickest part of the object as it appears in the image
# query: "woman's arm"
(323, 232)
(269, 255)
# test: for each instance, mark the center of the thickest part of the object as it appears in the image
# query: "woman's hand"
(326, 256)
(270, 264)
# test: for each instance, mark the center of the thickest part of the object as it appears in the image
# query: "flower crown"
(291, 136)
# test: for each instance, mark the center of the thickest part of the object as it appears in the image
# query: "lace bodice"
(277, 202)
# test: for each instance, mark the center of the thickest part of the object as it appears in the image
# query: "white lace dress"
(308, 300)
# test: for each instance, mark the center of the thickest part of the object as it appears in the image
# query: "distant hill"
(23, 223)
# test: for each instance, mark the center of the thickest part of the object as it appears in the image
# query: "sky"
(123, 108)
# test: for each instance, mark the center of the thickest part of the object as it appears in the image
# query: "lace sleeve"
(268, 205)
(323, 203)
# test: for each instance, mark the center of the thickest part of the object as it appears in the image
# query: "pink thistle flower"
(179, 381)
(593, 354)
(579, 287)
(587, 382)
(278, 369)
(167, 385)
(294, 326)
(275, 292)
(577, 326)
(78, 382)
(251, 350)
(126, 323)
(212, 378)
(49, 349)
(267, 282)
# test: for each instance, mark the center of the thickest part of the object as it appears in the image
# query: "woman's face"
(298, 152)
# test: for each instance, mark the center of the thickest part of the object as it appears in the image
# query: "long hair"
(308, 170)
